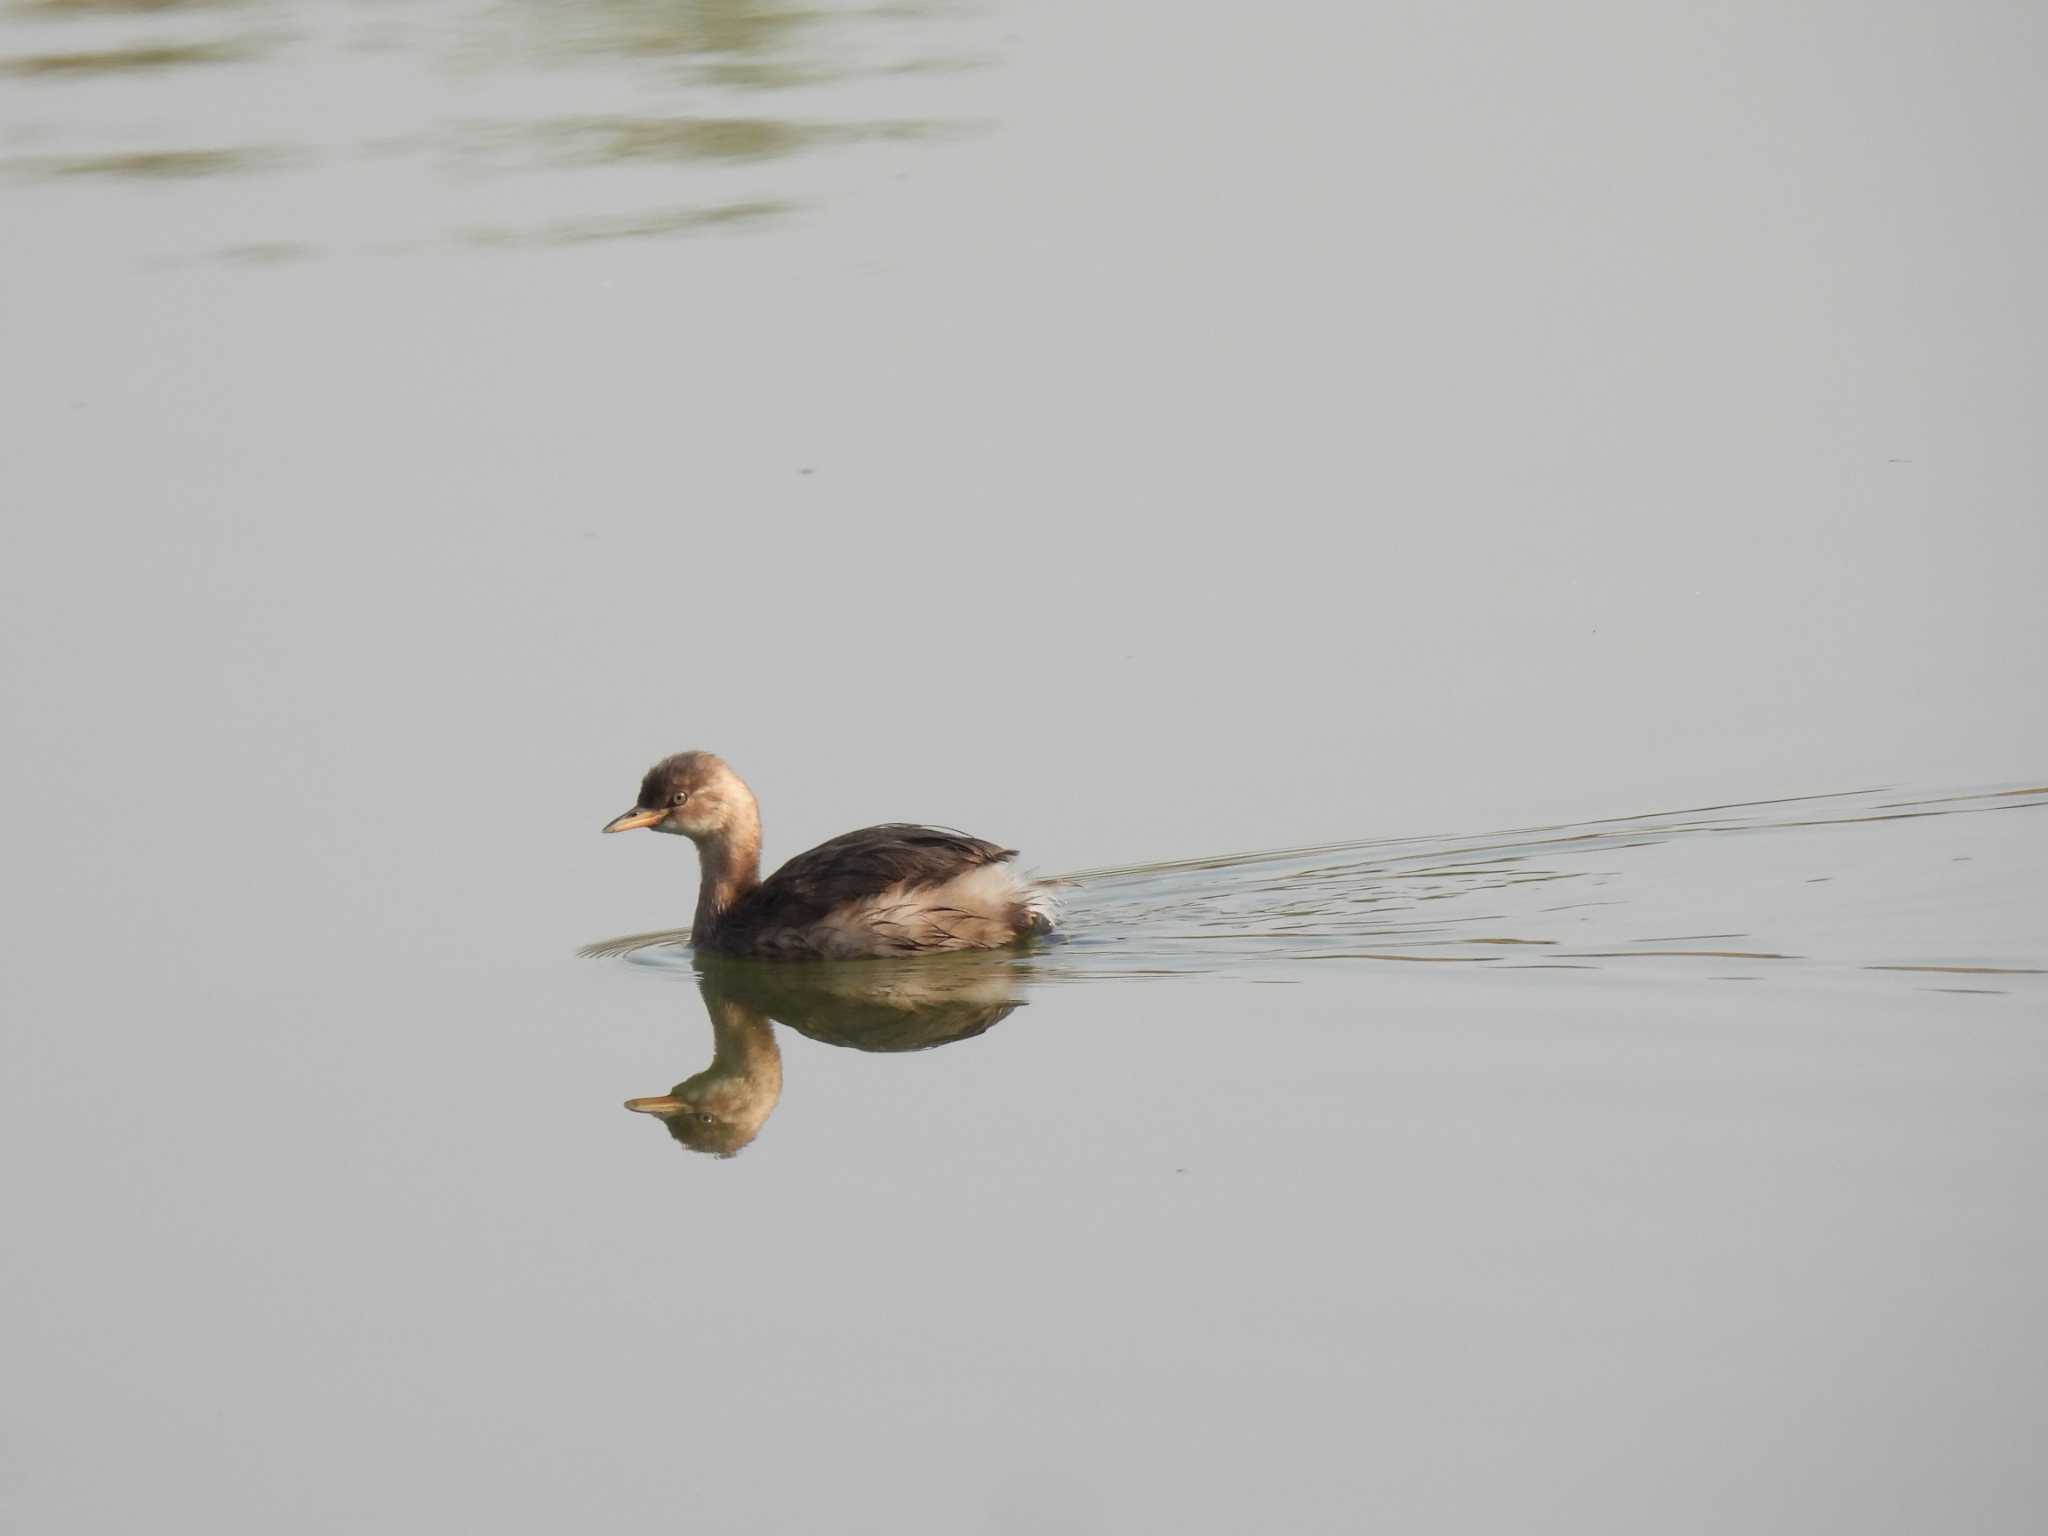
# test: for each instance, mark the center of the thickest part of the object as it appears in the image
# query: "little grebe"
(888, 890)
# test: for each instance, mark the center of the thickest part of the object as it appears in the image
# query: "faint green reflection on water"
(783, 75)
(141, 58)
(719, 138)
(658, 81)
(155, 164)
(668, 27)
(267, 253)
(633, 226)
(53, 8)
(743, 44)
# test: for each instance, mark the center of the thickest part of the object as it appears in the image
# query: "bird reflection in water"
(865, 1005)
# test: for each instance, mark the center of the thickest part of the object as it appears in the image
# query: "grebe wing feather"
(864, 863)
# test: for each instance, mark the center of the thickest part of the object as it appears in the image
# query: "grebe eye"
(679, 797)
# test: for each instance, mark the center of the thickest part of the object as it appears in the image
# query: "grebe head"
(722, 1108)
(693, 795)
(717, 1111)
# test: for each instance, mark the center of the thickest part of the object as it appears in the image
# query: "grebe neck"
(730, 861)
(743, 1045)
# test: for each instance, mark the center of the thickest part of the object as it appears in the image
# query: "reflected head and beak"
(666, 1105)
(714, 1111)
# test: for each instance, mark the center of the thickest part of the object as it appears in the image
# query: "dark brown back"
(849, 868)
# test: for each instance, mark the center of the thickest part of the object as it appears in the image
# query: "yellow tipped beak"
(662, 1104)
(634, 818)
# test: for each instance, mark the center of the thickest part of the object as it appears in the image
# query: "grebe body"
(897, 889)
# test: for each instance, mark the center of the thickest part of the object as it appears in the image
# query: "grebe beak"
(665, 1104)
(634, 818)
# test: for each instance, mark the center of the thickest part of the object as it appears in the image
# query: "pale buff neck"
(744, 1080)
(743, 1046)
(730, 861)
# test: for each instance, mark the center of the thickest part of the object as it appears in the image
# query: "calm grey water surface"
(1134, 434)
